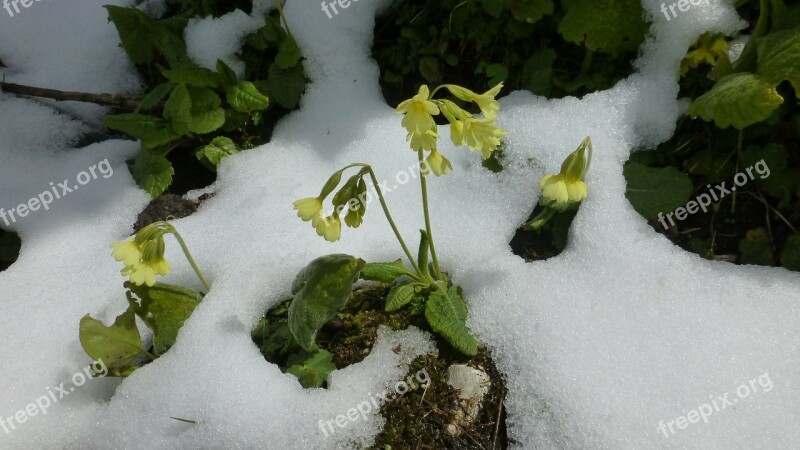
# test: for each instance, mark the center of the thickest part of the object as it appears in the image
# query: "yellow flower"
(126, 252)
(438, 163)
(419, 112)
(558, 191)
(423, 141)
(160, 266)
(567, 187)
(486, 102)
(140, 273)
(330, 228)
(309, 209)
(479, 134)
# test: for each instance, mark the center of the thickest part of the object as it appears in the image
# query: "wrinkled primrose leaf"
(165, 308)
(311, 368)
(447, 315)
(117, 345)
(320, 291)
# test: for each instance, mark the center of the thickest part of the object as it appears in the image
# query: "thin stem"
(389, 218)
(283, 17)
(424, 185)
(586, 65)
(190, 259)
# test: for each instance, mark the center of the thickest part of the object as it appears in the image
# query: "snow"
(601, 343)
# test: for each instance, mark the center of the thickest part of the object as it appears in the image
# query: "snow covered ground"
(619, 333)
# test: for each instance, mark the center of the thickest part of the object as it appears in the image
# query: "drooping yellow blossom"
(709, 48)
(567, 187)
(126, 252)
(419, 112)
(478, 134)
(330, 228)
(423, 141)
(486, 101)
(438, 164)
(143, 255)
(309, 208)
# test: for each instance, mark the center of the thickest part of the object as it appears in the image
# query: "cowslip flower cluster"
(481, 134)
(143, 254)
(350, 197)
(565, 189)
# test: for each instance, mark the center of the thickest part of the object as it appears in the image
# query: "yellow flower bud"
(438, 164)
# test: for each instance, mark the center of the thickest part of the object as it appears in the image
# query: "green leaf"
(755, 248)
(429, 69)
(288, 53)
(321, 290)
(779, 57)
(447, 315)
(154, 97)
(178, 109)
(611, 26)
(496, 73)
(245, 97)
(152, 172)
(386, 272)
(193, 76)
(286, 86)
(218, 149)
(165, 308)
(207, 115)
(790, 256)
(133, 27)
(151, 130)
(531, 11)
(170, 46)
(537, 73)
(740, 99)
(117, 346)
(402, 295)
(422, 254)
(311, 368)
(227, 75)
(656, 190)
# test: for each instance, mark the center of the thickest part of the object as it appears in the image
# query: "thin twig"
(117, 101)
(497, 422)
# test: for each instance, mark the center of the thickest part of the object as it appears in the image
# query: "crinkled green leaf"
(245, 97)
(226, 74)
(193, 76)
(740, 100)
(165, 308)
(400, 296)
(153, 131)
(288, 53)
(386, 272)
(779, 57)
(134, 27)
(152, 172)
(447, 315)
(154, 97)
(178, 109)
(117, 346)
(311, 368)
(218, 149)
(654, 190)
(321, 290)
(611, 26)
(170, 46)
(207, 115)
(286, 86)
